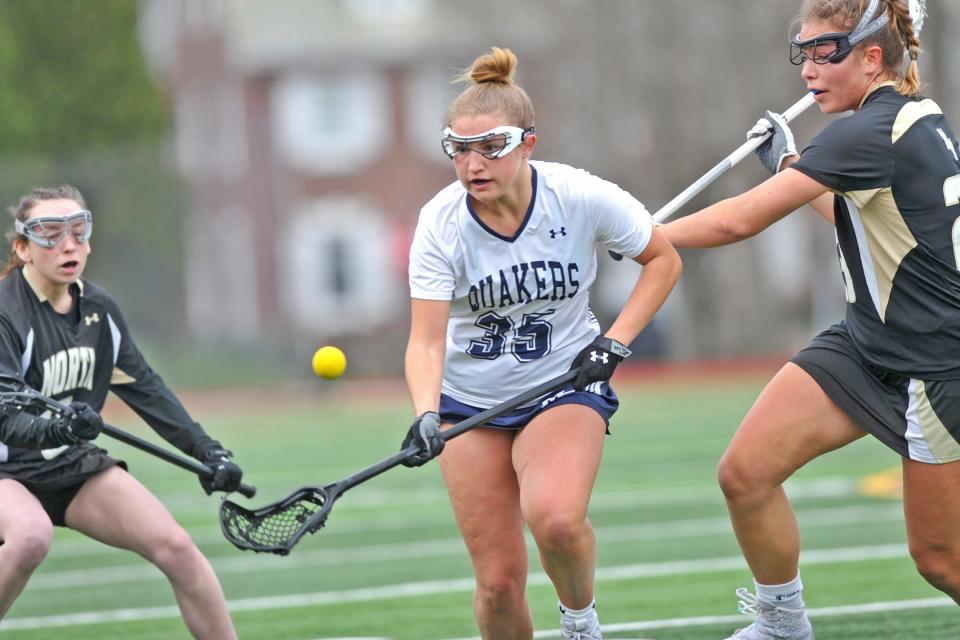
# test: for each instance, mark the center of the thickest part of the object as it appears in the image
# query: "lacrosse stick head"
(14, 394)
(277, 527)
(918, 11)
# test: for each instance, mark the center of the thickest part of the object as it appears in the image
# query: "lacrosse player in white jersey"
(500, 270)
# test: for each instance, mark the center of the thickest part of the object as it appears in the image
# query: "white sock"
(788, 594)
(577, 614)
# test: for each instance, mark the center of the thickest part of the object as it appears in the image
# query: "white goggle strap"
(869, 23)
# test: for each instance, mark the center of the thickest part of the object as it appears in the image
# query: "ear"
(873, 58)
(22, 248)
(526, 147)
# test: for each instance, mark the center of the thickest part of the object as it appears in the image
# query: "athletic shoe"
(773, 622)
(582, 629)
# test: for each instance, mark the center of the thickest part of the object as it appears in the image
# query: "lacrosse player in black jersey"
(67, 338)
(888, 177)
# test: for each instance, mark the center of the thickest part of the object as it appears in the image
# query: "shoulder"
(562, 177)
(8, 285)
(912, 112)
(13, 289)
(441, 213)
(872, 124)
(97, 295)
(444, 206)
(573, 185)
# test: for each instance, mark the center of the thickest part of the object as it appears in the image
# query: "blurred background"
(256, 168)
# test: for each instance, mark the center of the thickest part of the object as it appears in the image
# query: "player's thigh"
(931, 505)
(21, 511)
(556, 457)
(114, 508)
(792, 422)
(482, 485)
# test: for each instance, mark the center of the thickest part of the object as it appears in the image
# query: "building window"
(337, 276)
(331, 125)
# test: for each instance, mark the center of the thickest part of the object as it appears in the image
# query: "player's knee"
(499, 591)
(557, 531)
(734, 478)
(940, 567)
(29, 546)
(174, 549)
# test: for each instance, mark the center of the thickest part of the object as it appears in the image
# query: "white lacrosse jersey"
(520, 306)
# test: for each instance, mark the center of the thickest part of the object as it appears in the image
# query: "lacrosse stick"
(918, 12)
(277, 527)
(723, 166)
(14, 393)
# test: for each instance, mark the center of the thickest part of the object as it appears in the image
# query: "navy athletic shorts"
(604, 401)
(919, 419)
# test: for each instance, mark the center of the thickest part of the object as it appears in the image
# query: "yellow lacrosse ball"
(329, 362)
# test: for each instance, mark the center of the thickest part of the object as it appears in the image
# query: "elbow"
(676, 269)
(737, 229)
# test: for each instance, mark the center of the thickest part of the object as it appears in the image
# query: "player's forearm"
(20, 429)
(424, 373)
(714, 226)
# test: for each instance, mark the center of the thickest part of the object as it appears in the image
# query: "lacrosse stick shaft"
(730, 161)
(184, 463)
(148, 447)
(460, 428)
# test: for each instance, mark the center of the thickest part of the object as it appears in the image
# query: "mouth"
(816, 92)
(480, 182)
(70, 265)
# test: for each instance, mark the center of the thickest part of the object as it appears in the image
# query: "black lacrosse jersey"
(79, 357)
(894, 169)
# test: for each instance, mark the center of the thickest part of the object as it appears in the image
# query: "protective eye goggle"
(492, 144)
(828, 48)
(831, 48)
(49, 231)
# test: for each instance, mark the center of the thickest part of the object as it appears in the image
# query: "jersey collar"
(874, 89)
(41, 297)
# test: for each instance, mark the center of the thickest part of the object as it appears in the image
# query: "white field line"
(370, 498)
(692, 528)
(435, 587)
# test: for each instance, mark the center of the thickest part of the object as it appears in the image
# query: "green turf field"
(391, 565)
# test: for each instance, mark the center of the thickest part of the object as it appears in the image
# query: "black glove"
(424, 433)
(780, 145)
(597, 361)
(79, 422)
(226, 473)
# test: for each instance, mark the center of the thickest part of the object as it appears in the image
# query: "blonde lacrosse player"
(888, 177)
(500, 270)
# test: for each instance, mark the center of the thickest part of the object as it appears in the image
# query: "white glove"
(780, 145)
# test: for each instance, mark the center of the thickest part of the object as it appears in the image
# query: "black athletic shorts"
(57, 482)
(919, 419)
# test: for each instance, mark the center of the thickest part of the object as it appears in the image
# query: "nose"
(474, 160)
(68, 243)
(808, 70)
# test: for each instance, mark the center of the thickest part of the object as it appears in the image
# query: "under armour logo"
(89, 320)
(554, 233)
(599, 357)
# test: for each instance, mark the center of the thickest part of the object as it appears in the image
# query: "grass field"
(390, 563)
